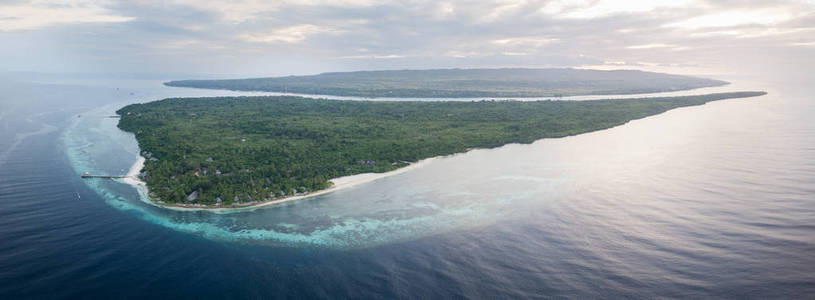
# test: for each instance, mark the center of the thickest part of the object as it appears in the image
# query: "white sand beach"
(338, 184)
(133, 174)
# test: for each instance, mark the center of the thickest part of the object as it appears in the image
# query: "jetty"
(87, 175)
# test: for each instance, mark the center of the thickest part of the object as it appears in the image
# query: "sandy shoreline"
(133, 174)
(339, 184)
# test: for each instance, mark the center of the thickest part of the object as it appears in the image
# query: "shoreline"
(576, 97)
(339, 183)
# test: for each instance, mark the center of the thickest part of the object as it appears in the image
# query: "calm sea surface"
(714, 201)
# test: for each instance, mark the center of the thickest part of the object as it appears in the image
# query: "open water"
(713, 201)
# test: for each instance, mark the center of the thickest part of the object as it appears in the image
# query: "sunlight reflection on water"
(452, 193)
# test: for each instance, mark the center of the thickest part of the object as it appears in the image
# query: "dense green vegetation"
(464, 83)
(244, 149)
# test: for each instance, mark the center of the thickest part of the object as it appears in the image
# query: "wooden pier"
(86, 175)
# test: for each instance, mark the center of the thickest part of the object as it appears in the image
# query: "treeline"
(242, 149)
(463, 83)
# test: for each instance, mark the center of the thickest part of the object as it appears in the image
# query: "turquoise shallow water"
(383, 211)
(709, 201)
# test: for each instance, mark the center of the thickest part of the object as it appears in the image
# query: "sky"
(295, 37)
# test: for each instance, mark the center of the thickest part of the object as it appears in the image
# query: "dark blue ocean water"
(716, 201)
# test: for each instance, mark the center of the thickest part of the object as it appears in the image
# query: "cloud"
(244, 36)
(239, 11)
(39, 14)
(372, 56)
(444, 10)
(670, 47)
(586, 9)
(465, 54)
(502, 8)
(510, 53)
(734, 18)
(527, 41)
(752, 32)
(651, 46)
(292, 34)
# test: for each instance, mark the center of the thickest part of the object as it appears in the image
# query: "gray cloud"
(308, 36)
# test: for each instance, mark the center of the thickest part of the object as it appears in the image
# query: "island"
(464, 83)
(243, 151)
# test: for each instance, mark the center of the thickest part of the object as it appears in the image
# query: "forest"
(464, 83)
(236, 150)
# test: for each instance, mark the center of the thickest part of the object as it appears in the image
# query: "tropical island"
(464, 83)
(241, 151)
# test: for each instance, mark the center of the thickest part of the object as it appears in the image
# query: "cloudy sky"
(285, 37)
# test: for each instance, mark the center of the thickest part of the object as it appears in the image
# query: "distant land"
(241, 151)
(464, 83)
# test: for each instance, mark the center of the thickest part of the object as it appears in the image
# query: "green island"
(464, 83)
(237, 151)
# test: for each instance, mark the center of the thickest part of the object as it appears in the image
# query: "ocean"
(712, 201)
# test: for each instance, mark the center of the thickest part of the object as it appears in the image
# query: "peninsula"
(240, 151)
(464, 83)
